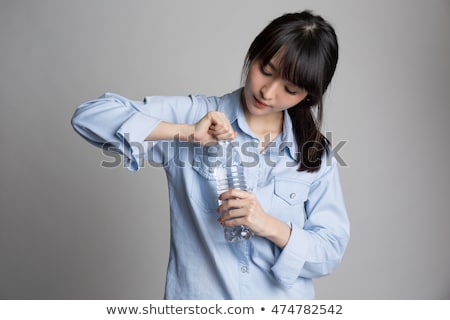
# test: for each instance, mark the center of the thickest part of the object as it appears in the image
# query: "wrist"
(279, 232)
(171, 131)
(186, 132)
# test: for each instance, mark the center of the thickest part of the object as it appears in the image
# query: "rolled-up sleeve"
(317, 248)
(121, 125)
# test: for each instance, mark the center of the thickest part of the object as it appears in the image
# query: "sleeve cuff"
(133, 133)
(292, 258)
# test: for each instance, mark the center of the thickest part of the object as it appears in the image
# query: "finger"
(218, 119)
(232, 214)
(220, 123)
(218, 129)
(222, 135)
(233, 222)
(231, 205)
(219, 132)
(235, 193)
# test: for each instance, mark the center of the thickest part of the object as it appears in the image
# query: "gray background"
(70, 229)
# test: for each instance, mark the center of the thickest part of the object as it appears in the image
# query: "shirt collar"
(231, 105)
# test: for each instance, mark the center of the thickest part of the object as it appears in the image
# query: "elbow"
(83, 124)
(87, 118)
(75, 122)
(79, 123)
(331, 260)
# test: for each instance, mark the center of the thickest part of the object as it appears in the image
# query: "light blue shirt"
(202, 265)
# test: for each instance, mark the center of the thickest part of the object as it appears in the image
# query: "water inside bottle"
(229, 174)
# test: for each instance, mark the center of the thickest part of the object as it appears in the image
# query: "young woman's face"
(266, 92)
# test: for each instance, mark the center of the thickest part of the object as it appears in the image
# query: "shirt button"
(292, 195)
(244, 269)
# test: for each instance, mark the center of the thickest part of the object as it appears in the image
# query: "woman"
(294, 204)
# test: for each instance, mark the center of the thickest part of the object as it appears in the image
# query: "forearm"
(171, 131)
(316, 248)
(278, 232)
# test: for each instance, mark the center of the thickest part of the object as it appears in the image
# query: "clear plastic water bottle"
(229, 174)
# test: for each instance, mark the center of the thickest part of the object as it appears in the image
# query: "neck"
(270, 123)
(266, 127)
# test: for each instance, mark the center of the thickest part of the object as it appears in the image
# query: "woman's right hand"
(214, 126)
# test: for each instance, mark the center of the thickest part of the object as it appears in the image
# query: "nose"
(268, 90)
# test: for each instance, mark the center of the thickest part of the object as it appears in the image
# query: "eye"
(263, 70)
(292, 91)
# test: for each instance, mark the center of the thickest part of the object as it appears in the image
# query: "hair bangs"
(302, 68)
(297, 57)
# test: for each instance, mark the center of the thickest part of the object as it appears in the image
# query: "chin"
(255, 110)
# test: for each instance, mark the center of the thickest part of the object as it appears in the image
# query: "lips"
(259, 103)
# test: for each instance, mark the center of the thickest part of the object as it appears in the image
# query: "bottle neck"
(227, 153)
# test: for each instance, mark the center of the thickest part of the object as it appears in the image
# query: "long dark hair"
(309, 52)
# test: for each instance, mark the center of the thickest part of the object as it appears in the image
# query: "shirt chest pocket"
(288, 202)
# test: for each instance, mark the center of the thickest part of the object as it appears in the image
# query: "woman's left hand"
(242, 208)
